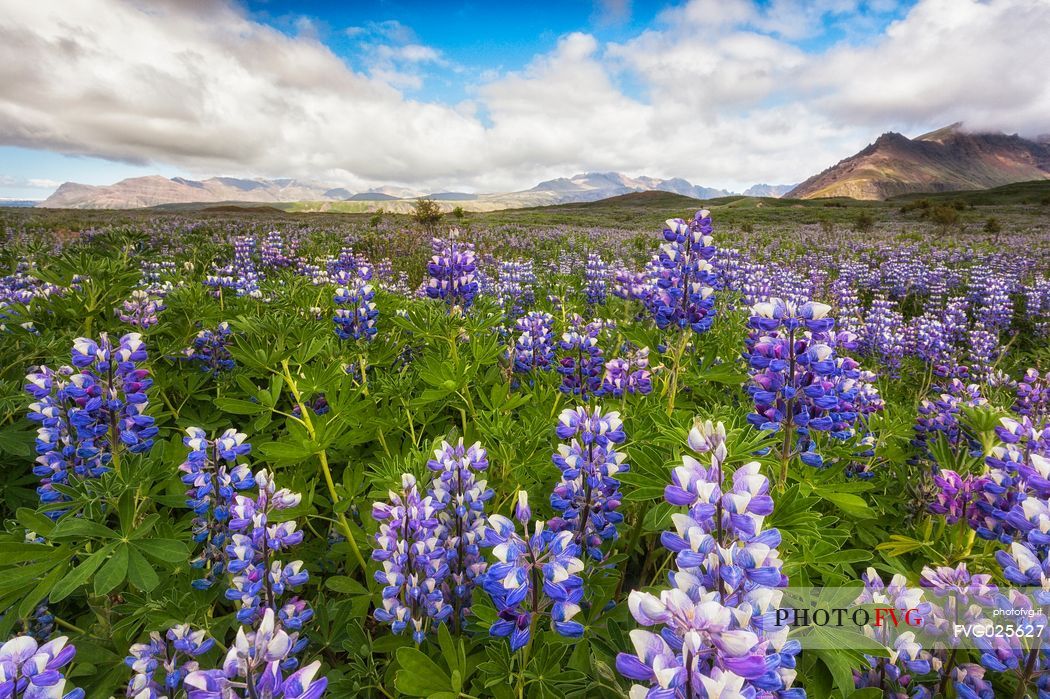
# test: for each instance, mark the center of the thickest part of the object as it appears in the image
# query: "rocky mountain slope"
(945, 160)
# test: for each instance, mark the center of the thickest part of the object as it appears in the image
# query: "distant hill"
(592, 186)
(154, 191)
(21, 203)
(948, 159)
(768, 190)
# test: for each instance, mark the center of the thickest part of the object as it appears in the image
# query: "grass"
(1036, 192)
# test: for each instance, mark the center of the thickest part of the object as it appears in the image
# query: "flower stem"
(323, 458)
(1022, 684)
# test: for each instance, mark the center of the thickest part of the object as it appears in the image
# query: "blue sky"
(489, 95)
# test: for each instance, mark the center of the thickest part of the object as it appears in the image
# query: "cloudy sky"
(482, 96)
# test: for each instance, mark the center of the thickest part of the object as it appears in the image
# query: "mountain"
(768, 190)
(21, 203)
(154, 190)
(945, 160)
(592, 186)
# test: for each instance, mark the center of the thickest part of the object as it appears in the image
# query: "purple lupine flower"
(727, 565)
(356, 319)
(683, 295)
(892, 674)
(595, 280)
(253, 668)
(883, 329)
(414, 561)
(534, 346)
(453, 272)
(210, 350)
(1024, 433)
(273, 252)
(798, 382)
(515, 287)
(588, 494)
(259, 581)
(629, 285)
(160, 666)
(89, 411)
(984, 350)
(461, 497)
(34, 671)
(629, 375)
(582, 360)
(141, 309)
(533, 577)
(939, 415)
(57, 438)
(41, 623)
(212, 475)
(955, 495)
(522, 511)
(958, 597)
(245, 277)
(1033, 397)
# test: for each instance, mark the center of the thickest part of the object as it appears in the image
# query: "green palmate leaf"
(166, 550)
(38, 593)
(840, 669)
(144, 527)
(16, 441)
(420, 676)
(898, 545)
(853, 505)
(126, 511)
(846, 556)
(23, 575)
(345, 585)
(140, 572)
(867, 693)
(11, 553)
(455, 656)
(81, 574)
(238, 406)
(113, 572)
(77, 527)
(34, 521)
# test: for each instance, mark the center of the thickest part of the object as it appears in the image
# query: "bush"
(377, 218)
(863, 222)
(992, 226)
(944, 216)
(426, 212)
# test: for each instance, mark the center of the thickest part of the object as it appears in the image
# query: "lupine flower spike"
(532, 577)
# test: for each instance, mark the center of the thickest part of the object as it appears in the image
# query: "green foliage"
(116, 565)
(863, 222)
(426, 212)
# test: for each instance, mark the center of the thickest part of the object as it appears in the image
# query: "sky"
(490, 96)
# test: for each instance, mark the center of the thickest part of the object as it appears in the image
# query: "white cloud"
(718, 92)
(984, 62)
(12, 182)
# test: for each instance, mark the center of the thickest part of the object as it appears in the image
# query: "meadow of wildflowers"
(264, 457)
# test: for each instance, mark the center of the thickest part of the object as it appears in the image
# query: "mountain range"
(946, 160)
(155, 190)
